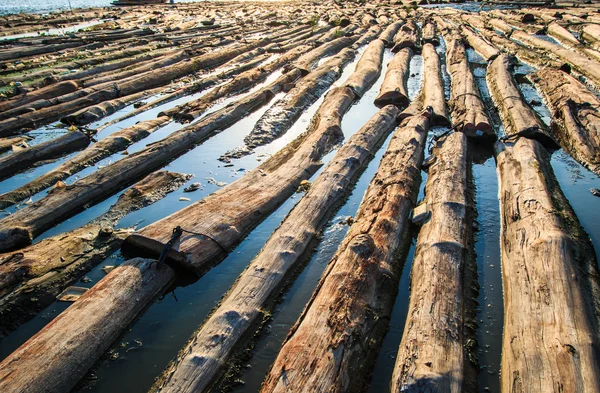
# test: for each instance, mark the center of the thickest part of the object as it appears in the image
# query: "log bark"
(518, 117)
(575, 115)
(113, 143)
(333, 345)
(591, 34)
(60, 354)
(487, 51)
(389, 33)
(550, 280)
(437, 351)
(33, 277)
(6, 144)
(256, 289)
(409, 36)
(468, 111)
(47, 92)
(24, 159)
(394, 90)
(432, 90)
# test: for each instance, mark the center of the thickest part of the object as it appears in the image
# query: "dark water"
(143, 352)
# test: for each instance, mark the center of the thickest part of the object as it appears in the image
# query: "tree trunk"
(409, 36)
(246, 303)
(333, 345)
(481, 46)
(34, 276)
(390, 32)
(45, 93)
(6, 144)
(393, 90)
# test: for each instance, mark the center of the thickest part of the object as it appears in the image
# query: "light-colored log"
(333, 345)
(389, 33)
(409, 36)
(393, 89)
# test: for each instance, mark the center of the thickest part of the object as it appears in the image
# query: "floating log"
(430, 34)
(489, 52)
(393, 90)
(389, 33)
(575, 115)
(409, 36)
(43, 93)
(591, 34)
(248, 299)
(521, 119)
(550, 279)
(307, 61)
(113, 143)
(23, 159)
(432, 91)
(468, 111)
(60, 354)
(333, 345)
(34, 276)
(437, 351)
(7, 144)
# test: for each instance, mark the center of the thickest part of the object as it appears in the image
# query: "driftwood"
(432, 91)
(334, 343)
(520, 119)
(23, 159)
(437, 352)
(247, 301)
(409, 36)
(468, 110)
(47, 92)
(113, 143)
(31, 278)
(550, 280)
(60, 354)
(394, 90)
(576, 115)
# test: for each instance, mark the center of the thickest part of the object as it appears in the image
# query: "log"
(575, 115)
(307, 61)
(43, 93)
(409, 36)
(432, 90)
(390, 32)
(481, 46)
(550, 280)
(518, 117)
(437, 351)
(78, 337)
(6, 144)
(394, 90)
(468, 110)
(561, 34)
(591, 34)
(33, 277)
(24, 159)
(249, 299)
(113, 143)
(430, 34)
(334, 343)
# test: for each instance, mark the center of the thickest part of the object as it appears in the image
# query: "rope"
(177, 232)
(443, 135)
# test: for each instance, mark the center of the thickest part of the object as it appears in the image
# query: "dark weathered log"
(394, 90)
(575, 115)
(25, 158)
(518, 117)
(39, 94)
(468, 111)
(437, 352)
(409, 36)
(248, 299)
(31, 278)
(390, 32)
(113, 143)
(550, 280)
(76, 339)
(432, 90)
(20, 228)
(335, 341)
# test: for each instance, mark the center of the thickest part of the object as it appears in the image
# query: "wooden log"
(481, 46)
(409, 36)
(34, 276)
(24, 159)
(42, 93)
(367, 69)
(575, 115)
(7, 144)
(60, 354)
(105, 147)
(389, 33)
(430, 33)
(251, 295)
(561, 34)
(307, 61)
(591, 34)
(550, 280)
(518, 117)
(333, 345)
(437, 351)
(20, 228)
(394, 90)
(432, 90)
(468, 111)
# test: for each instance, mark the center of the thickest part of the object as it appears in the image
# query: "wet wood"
(575, 115)
(591, 34)
(25, 158)
(438, 351)
(249, 299)
(550, 280)
(390, 32)
(409, 36)
(7, 144)
(118, 141)
(334, 344)
(518, 117)
(47, 92)
(34, 276)
(430, 33)
(394, 90)
(481, 46)
(432, 90)
(76, 339)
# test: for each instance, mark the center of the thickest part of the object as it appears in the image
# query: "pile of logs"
(277, 60)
